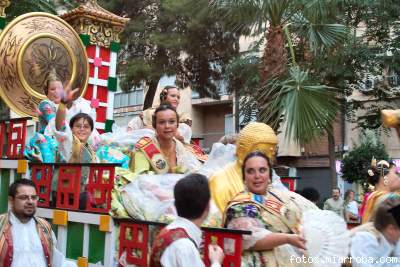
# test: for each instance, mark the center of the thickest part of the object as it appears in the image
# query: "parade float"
(82, 46)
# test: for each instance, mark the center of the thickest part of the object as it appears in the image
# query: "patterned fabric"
(109, 154)
(6, 244)
(47, 110)
(42, 148)
(246, 210)
(82, 153)
(274, 212)
(197, 151)
(185, 161)
(153, 154)
(163, 240)
(373, 202)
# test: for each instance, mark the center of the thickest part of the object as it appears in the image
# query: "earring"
(385, 180)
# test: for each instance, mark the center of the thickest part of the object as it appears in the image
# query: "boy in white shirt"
(177, 244)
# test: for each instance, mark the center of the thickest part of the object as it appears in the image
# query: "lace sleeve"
(64, 138)
(257, 229)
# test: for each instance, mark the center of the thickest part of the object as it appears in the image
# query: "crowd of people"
(244, 193)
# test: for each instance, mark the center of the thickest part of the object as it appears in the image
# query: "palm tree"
(284, 89)
(272, 18)
(286, 92)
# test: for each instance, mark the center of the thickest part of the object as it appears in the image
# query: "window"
(131, 98)
(229, 127)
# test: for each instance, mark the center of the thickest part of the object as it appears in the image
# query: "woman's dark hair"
(192, 195)
(12, 190)
(256, 154)
(164, 92)
(163, 108)
(375, 173)
(79, 116)
(347, 194)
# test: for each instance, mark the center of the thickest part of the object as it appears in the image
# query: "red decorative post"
(16, 138)
(68, 188)
(42, 176)
(99, 187)
(133, 238)
(99, 30)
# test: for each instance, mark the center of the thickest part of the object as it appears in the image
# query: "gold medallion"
(30, 47)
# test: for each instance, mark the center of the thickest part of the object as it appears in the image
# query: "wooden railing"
(68, 190)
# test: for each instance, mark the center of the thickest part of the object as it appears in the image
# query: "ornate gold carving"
(3, 5)
(32, 45)
(102, 26)
(39, 56)
(256, 136)
(101, 34)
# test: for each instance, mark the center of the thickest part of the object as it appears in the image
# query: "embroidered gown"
(275, 212)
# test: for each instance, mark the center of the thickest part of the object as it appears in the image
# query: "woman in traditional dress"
(170, 95)
(164, 153)
(43, 147)
(273, 217)
(72, 137)
(385, 178)
(157, 164)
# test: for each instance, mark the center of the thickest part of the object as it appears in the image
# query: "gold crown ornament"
(390, 117)
(256, 136)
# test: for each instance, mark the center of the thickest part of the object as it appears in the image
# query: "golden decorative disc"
(30, 47)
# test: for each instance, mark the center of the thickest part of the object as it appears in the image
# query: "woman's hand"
(69, 94)
(67, 97)
(297, 241)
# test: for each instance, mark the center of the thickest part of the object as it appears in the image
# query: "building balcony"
(225, 98)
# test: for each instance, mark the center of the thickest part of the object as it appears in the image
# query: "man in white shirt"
(26, 240)
(177, 244)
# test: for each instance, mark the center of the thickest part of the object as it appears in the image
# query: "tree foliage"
(24, 6)
(356, 163)
(21, 7)
(180, 37)
(337, 43)
(372, 51)
(285, 88)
